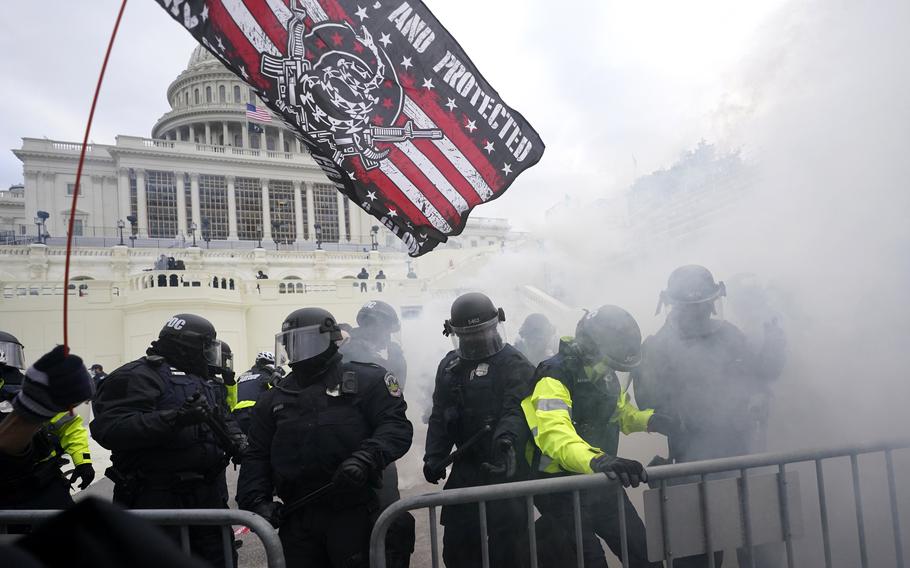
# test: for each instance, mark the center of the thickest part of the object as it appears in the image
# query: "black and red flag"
(384, 98)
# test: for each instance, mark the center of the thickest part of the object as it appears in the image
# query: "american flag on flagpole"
(260, 114)
(386, 101)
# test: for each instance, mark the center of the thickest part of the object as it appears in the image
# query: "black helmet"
(611, 334)
(474, 326)
(194, 333)
(377, 313)
(12, 353)
(227, 357)
(305, 334)
(691, 284)
(536, 325)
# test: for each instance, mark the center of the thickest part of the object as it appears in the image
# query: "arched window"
(196, 95)
(186, 98)
(208, 94)
(223, 284)
(173, 281)
(236, 93)
(222, 96)
(299, 288)
(282, 289)
(231, 284)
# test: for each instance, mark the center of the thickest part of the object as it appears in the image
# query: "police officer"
(224, 373)
(39, 401)
(372, 342)
(151, 414)
(251, 385)
(575, 412)
(323, 435)
(536, 338)
(700, 369)
(479, 386)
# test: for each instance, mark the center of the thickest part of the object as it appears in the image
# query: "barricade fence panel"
(842, 506)
(183, 518)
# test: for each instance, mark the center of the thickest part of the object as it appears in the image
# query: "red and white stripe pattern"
(255, 113)
(431, 182)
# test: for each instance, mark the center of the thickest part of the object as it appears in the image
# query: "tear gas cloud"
(818, 114)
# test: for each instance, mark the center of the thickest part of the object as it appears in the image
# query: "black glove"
(433, 474)
(228, 377)
(354, 472)
(85, 473)
(664, 424)
(193, 411)
(629, 472)
(504, 461)
(268, 510)
(55, 383)
(240, 445)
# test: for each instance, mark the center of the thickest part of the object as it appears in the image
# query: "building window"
(133, 199)
(222, 96)
(188, 199)
(347, 218)
(208, 94)
(269, 143)
(161, 195)
(252, 96)
(78, 227)
(281, 209)
(213, 206)
(325, 204)
(196, 95)
(70, 188)
(236, 93)
(186, 98)
(248, 193)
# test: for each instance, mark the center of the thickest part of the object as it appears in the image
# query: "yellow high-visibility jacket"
(575, 413)
(73, 436)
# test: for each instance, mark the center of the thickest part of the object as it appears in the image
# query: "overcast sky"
(615, 88)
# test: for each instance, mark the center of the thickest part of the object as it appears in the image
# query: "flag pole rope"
(76, 189)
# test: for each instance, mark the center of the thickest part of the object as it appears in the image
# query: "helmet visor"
(479, 341)
(212, 353)
(227, 360)
(300, 344)
(12, 355)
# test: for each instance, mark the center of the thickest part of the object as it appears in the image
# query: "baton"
(450, 459)
(294, 506)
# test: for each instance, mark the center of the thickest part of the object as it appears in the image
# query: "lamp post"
(120, 227)
(41, 221)
(374, 231)
(259, 244)
(193, 228)
(133, 220)
(318, 229)
(38, 222)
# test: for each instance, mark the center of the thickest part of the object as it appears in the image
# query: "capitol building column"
(194, 200)
(298, 212)
(266, 213)
(226, 135)
(232, 209)
(245, 134)
(123, 193)
(310, 211)
(208, 133)
(354, 214)
(141, 204)
(280, 147)
(342, 232)
(181, 203)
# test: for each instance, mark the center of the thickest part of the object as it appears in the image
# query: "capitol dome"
(208, 106)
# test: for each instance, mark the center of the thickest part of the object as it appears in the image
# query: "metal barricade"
(694, 508)
(184, 518)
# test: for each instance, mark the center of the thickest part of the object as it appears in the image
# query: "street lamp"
(133, 229)
(120, 227)
(193, 228)
(374, 231)
(259, 244)
(40, 221)
(318, 229)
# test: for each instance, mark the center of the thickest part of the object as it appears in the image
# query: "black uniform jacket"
(362, 351)
(300, 435)
(468, 396)
(128, 420)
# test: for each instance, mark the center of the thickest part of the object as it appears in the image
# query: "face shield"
(295, 345)
(212, 353)
(12, 355)
(479, 341)
(227, 360)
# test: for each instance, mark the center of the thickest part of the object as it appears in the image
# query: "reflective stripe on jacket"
(73, 436)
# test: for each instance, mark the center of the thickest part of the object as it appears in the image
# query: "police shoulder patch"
(391, 383)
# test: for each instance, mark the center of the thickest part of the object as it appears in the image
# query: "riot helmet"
(307, 334)
(12, 353)
(191, 334)
(610, 334)
(475, 327)
(536, 326)
(265, 358)
(227, 357)
(379, 314)
(691, 284)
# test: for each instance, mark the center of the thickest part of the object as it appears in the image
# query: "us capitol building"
(225, 200)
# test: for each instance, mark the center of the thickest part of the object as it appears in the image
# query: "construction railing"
(184, 519)
(703, 507)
